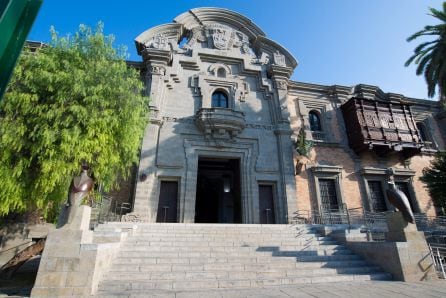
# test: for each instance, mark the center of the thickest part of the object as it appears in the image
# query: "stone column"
(146, 181)
(288, 204)
(188, 198)
(146, 196)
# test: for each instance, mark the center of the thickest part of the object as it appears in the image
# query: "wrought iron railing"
(107, 209)
(373, 221)
(438, 255)
(429, 146)
(318, 136)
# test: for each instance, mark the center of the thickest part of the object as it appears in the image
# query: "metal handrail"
(438, 255)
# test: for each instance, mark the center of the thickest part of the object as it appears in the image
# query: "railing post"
(348, 220)
(441, 263)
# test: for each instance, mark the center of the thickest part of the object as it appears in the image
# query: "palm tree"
(430, 56)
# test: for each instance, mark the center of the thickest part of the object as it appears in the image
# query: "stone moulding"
(220, 120)
(207, 15)
(161, 37)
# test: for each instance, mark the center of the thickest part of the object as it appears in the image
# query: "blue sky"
(342, 42)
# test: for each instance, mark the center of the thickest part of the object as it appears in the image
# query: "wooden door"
(266, 204)
(167, 204)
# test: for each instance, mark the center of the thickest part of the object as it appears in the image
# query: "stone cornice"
(208, 15)
(362, 89)
(263, 43)
(167, 33)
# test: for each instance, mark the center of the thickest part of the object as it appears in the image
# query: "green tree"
(75, 100)
(435, 179)
(430, 56)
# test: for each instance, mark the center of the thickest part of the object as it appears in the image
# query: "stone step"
(197, 266)
(277, 261)
(210, 275)
(203, 227)
(219, 254)
(228, 243)
(117, 285)
(271, 249)
(209, 256)
(178, 251)
(162, 235)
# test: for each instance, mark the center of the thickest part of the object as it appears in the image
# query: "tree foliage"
(435, 178)
(75, 100)
(430, 56)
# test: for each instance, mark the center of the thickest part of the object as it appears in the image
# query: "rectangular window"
(377, 196)
(329, 198)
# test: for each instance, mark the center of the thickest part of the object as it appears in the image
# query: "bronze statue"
(400, 201)
(80, 186)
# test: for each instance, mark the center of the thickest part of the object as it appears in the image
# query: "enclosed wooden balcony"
(381, 126)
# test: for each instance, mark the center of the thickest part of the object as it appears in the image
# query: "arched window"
(422, 129)
(221, 72)
(219, 100)
(315, 121)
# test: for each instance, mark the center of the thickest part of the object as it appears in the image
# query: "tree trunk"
(20, 258)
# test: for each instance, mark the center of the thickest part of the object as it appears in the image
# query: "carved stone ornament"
(222, 36)
(159, 41)
(197, 34)
(279, 59)
(281, 84)
(263, 60)
(242, 40)
(158, 70)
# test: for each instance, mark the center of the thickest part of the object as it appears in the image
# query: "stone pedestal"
(399, 230)
(413, 251)
(71, 263)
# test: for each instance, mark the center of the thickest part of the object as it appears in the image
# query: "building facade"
(231, 139)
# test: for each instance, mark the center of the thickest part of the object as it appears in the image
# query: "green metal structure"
(16, 19)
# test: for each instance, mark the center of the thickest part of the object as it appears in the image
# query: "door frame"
(158, 192)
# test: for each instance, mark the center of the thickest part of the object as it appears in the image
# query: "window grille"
(329, 199)
(377, 196)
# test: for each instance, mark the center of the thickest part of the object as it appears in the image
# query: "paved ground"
(365, 289)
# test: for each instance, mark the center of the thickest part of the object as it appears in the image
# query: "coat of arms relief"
(220, 37)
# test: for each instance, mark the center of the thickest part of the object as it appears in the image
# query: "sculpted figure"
(80, 186)
(400, 201)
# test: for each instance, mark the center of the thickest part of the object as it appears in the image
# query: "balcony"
(220, 121)
(382, 127)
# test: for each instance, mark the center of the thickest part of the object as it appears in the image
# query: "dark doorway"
(167, 204)
(218, 191)
(266, 204)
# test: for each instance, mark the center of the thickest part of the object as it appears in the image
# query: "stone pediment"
(218, 29)
(220, 37)
(206, 16)
(163, 37)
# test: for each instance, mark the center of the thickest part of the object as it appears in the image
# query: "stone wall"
(14, 237)
(331, 149)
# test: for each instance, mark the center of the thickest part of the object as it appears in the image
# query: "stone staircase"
(208, 256)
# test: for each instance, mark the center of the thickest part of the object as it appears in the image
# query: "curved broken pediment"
(204, 16)
(162, 37)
